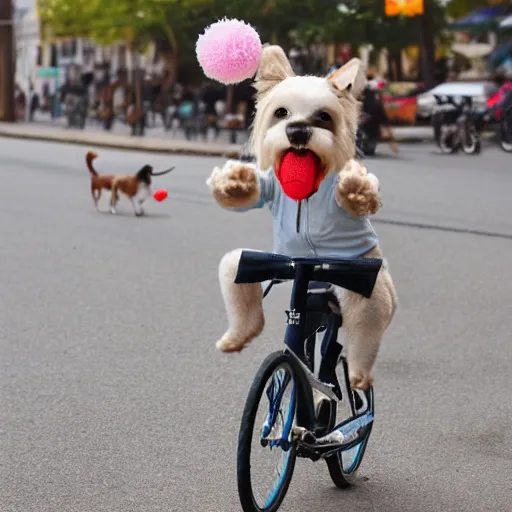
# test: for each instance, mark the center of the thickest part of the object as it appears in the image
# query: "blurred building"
(63, 52)
(27, 43)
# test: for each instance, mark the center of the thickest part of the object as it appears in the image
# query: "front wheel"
(471, 144)
(266, 449)
(447, 141)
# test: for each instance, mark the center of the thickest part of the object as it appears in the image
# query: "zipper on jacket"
(297, 222)
(306, 233)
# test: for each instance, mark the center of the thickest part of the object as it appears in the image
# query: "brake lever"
(269, 287)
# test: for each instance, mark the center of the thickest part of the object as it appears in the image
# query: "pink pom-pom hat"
(229, 51)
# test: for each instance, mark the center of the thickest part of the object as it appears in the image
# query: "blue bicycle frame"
(358, 275)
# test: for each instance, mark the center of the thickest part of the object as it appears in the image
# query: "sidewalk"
(156, 140)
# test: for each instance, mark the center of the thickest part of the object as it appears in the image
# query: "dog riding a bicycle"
(316, 396)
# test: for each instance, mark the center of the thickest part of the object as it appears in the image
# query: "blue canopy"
(480, 20)
(500, 53)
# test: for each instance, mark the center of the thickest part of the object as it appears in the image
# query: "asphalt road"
(113, 397)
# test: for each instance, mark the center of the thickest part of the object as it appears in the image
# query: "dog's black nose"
(298, 133)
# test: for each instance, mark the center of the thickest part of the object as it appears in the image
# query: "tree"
(136, 22)
(175, 24)
(367, 17)
(458, 8)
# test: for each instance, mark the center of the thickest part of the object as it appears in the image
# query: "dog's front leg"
(141, 197)
(137, 207)
(244, 306)
(357, 191)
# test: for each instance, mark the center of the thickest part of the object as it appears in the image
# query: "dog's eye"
(281, 113)
(325, 117)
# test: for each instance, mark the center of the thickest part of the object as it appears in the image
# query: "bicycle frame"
(356, 275)
(294, 341)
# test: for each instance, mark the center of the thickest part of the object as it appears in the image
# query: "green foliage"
(456, 9)
(179, 22)
(365, 21)
(107, 21)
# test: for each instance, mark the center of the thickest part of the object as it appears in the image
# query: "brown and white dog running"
(137, 187)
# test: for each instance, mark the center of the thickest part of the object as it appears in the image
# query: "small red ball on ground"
(160, 195)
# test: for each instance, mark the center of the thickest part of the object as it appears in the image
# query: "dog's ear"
(145, 170)
(351, 77)
(274, 68)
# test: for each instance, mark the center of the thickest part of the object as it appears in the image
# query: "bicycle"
(454, 126)
(311, 412)
(505, 124)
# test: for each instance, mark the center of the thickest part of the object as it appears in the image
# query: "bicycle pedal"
(341, 436)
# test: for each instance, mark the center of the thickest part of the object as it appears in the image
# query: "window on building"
(53, 56)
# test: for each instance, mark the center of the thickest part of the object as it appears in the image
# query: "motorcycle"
(505, 127)
(499, 114)
(455, 126)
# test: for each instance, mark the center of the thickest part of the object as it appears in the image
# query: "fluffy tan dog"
(314, 118)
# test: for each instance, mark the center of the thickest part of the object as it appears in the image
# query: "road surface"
(113, 397)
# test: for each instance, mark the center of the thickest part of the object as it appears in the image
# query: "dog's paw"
(235, 184)
(240, 182)
(113, 211)
(228, 344)
(360, 380)
(358, 191)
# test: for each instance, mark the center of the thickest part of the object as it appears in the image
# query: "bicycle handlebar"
(357, 275)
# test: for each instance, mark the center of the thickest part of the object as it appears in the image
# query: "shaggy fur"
(306, 100)
(137, 187)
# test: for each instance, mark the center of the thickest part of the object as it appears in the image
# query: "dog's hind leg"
(243, 304)
(96, 195)
(364, 322)
(113, 198)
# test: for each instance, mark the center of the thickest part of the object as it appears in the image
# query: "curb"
(127, 143)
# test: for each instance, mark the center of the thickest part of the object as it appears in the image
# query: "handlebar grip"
(259, 266)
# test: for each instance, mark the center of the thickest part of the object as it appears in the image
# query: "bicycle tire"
(446, 144)
(506, 146)
(245, 490)
(505, 137)
(474, 146)
(341, 478)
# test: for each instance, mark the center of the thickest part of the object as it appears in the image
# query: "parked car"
(479, 92)
(400, 101)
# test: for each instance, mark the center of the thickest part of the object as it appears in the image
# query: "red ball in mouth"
(299, 174)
